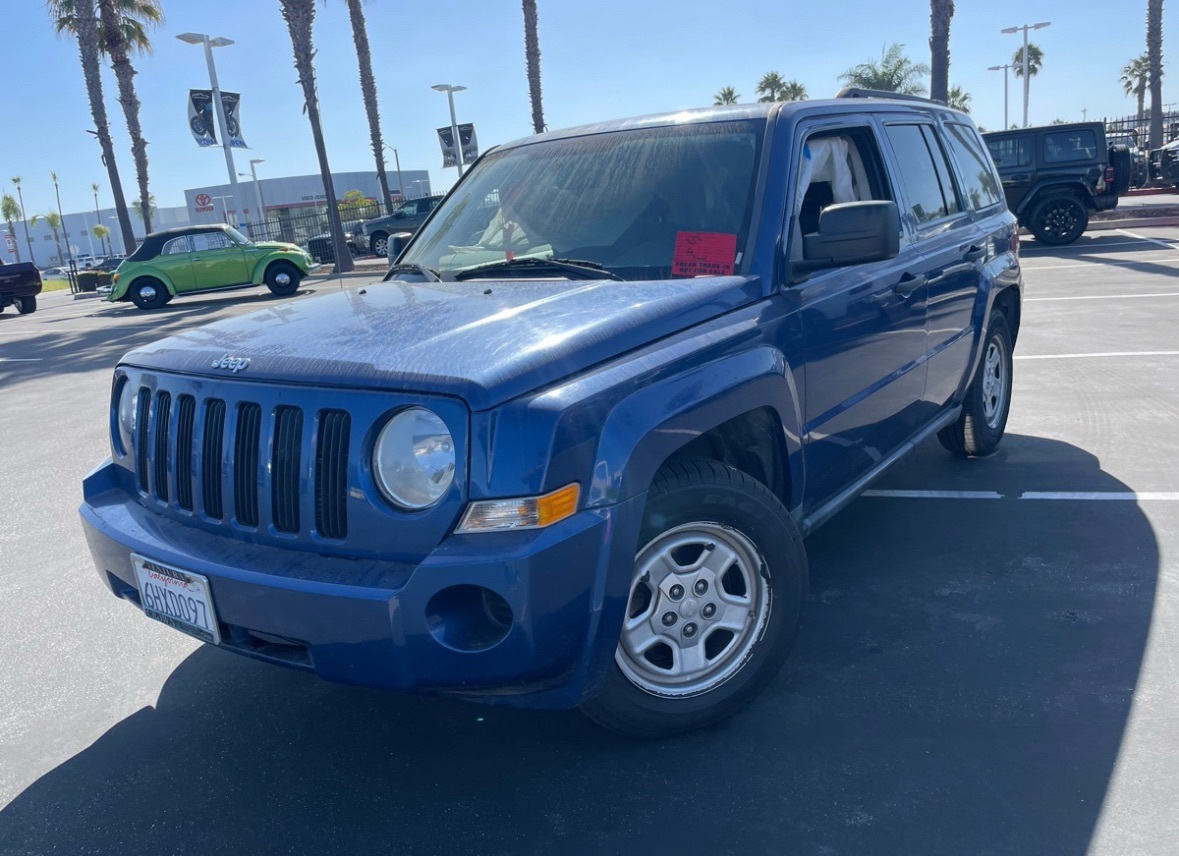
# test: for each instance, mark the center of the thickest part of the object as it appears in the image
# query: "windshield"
(237, 237)
(642, 204)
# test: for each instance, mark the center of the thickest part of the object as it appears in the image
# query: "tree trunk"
(532, 59)
(1154, 53)
(87, 35)
(368, 89)
(116, 49)
(300, 15)
(57, 243)
(940, 13)
(1141, 93)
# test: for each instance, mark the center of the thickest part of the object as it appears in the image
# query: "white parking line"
(1101, 297)
(1033, 268)
(1158, 241)
(1041, 495)
(19, 360)
(1097, 356)
(1050, 251)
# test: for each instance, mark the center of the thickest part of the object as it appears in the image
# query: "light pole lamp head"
(446, 87)
(1007, 31)
(193, 38)
(1041, 25)
(257, 160)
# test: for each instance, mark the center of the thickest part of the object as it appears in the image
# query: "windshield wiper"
(576, 267)
(411, 267)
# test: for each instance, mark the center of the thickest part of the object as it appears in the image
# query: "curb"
(1131, 223)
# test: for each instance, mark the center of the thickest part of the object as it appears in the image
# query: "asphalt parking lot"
(989, 662)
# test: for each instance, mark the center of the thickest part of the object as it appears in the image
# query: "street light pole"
(1002, 68)
(458, 146)
(218, 107)
(225, 208)
(1025, 28)
(397, 161)
(258, 196)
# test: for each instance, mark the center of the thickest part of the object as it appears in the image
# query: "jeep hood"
(483, 341)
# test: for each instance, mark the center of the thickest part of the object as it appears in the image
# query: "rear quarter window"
(1069, 146)
(980, 184)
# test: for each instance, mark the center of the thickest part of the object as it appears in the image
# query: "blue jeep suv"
(567, 451)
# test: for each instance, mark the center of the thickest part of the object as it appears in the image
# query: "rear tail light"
(1109, 176)
(1015, 240)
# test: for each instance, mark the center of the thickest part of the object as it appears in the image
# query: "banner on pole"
(203, 123)
(469, 142)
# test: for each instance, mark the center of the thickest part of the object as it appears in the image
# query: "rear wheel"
(283, 278)
(988, 400)
(379, 243)
(714, 603)
(26, 305)
(149, 293)
(1059, 219)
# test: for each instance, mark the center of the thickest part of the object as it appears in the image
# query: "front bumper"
(396, 625)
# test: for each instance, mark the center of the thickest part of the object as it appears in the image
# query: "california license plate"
(178, 598)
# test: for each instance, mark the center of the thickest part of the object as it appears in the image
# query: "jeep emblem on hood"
(234, 364)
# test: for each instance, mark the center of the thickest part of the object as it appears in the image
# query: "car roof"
(154, 242)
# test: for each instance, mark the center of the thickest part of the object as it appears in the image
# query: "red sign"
(203, 199)
(703, 254)
(9, 243)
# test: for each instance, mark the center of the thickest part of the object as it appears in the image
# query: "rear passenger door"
(952, 246)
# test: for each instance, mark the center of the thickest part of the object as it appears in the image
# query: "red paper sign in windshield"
(703, 254)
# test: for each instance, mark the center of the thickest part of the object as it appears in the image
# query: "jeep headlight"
(414, 459)
(126, 416)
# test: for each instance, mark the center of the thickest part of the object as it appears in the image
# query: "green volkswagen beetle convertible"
(205, 258)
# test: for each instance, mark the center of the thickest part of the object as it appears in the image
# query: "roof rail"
(861, 92)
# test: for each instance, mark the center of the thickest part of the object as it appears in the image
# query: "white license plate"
(178, 598)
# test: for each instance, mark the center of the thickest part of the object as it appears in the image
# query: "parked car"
(194, 259)
(407, 217)
(1164, 164)
(567, 453)
(1054, 175)
(20, 283)
(107, 265)
(322, 248)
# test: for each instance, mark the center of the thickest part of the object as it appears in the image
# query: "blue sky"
(600, 60)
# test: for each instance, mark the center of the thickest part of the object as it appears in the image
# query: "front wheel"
(26, 305)
(282, 278)
(988, 400)
(714, 604)
(1059, 220)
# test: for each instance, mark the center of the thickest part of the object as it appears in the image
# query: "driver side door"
(216, 261)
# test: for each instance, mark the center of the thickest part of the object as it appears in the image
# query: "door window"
(980, 185)
(203, 241)
(930, 194)
(1010, 151)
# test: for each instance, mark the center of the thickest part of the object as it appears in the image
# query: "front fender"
(653, 423)
(258, 274)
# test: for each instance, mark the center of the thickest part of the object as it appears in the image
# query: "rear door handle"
(908, 283)
(975, 253)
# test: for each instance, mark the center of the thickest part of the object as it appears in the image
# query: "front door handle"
(975, 253)
(908, 283)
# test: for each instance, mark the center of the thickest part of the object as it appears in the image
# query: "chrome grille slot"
(185, 416)
(245, 464)
(284, 471)
(212, 450)
(331, 474)
(160, 474)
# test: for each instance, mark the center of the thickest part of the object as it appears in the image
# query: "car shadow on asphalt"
(961, 684)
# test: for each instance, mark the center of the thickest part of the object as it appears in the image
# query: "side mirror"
(852, 233)
(397, 242)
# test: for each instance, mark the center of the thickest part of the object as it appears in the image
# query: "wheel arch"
(258, 277)
(1048, 189)
(150, 273)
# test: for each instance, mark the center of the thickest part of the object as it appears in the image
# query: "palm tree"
(1154, 53)
(894, 73)
(21, 197)
(60, 215)
(147, 214)
(940, 13)
(532, 60)
(1135, 78)
(84, 25)
(102, 233)
(98, 216)
(728, 95)
(300, 15)
(53, 221)
(958, 99)
(368, 90)
(10, 211)
(770, 87)
(793, 91)
(1035, 61)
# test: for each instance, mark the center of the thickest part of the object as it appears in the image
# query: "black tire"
(1059, 219)
(1122, 162)
(694, 506)
(988, 400)
(149, 293)
(283, 278)
(378, 242)
(26, 305)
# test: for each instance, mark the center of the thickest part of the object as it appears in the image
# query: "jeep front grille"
(209, 458)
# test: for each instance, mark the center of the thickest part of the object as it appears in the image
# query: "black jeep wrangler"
(1053, 176)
